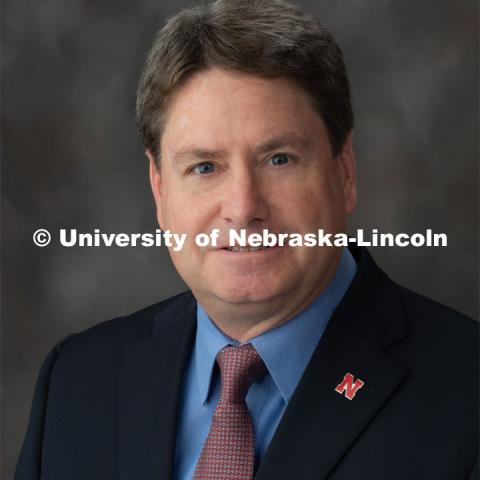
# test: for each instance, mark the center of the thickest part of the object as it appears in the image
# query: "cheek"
(185, 212)
(305, 207)
(302, 198)
(174, 206)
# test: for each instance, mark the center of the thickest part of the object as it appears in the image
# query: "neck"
(244, 321)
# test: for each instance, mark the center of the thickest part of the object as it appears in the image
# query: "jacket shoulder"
(439, 336)
(436, 315)
(117, 333)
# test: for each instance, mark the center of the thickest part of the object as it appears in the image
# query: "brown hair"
(269, 38)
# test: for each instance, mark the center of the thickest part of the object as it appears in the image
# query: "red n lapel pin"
(349, 386)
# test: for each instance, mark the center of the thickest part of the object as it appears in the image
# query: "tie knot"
(239, 368)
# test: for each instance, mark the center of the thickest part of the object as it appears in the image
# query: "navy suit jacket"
(106, 399)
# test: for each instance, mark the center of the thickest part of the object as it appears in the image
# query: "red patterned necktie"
(229, 451)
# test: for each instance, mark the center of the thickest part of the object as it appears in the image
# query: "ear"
(156, 185)
(349, 173)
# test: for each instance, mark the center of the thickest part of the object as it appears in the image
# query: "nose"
(244, 203)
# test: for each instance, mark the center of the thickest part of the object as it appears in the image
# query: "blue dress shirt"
(266, 399)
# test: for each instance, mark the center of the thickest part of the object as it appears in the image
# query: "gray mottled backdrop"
(71, 158)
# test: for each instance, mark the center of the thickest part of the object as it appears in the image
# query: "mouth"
(245, 249)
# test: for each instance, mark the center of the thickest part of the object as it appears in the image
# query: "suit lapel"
(150, 384)
(319, 424)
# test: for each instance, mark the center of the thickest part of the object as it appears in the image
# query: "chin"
(253, 291)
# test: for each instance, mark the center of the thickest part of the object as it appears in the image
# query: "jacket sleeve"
(30, 460)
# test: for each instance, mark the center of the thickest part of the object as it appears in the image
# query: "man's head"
(244, 147)
(268, 38)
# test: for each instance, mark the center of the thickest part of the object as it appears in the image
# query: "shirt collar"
(299, 337)
(208, 342)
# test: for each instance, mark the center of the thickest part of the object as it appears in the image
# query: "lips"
(245, 249)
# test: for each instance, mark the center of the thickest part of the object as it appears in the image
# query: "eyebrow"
(190, 152)
(275, 143)
(282, 141)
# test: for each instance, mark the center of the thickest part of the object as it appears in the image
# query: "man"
(282, 362)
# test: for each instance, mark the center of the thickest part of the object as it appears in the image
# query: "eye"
(203, 168)
(280, 159)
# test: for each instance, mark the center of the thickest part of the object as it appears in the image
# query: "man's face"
(241, 151)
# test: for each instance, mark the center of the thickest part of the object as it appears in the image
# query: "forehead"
(217, 106)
